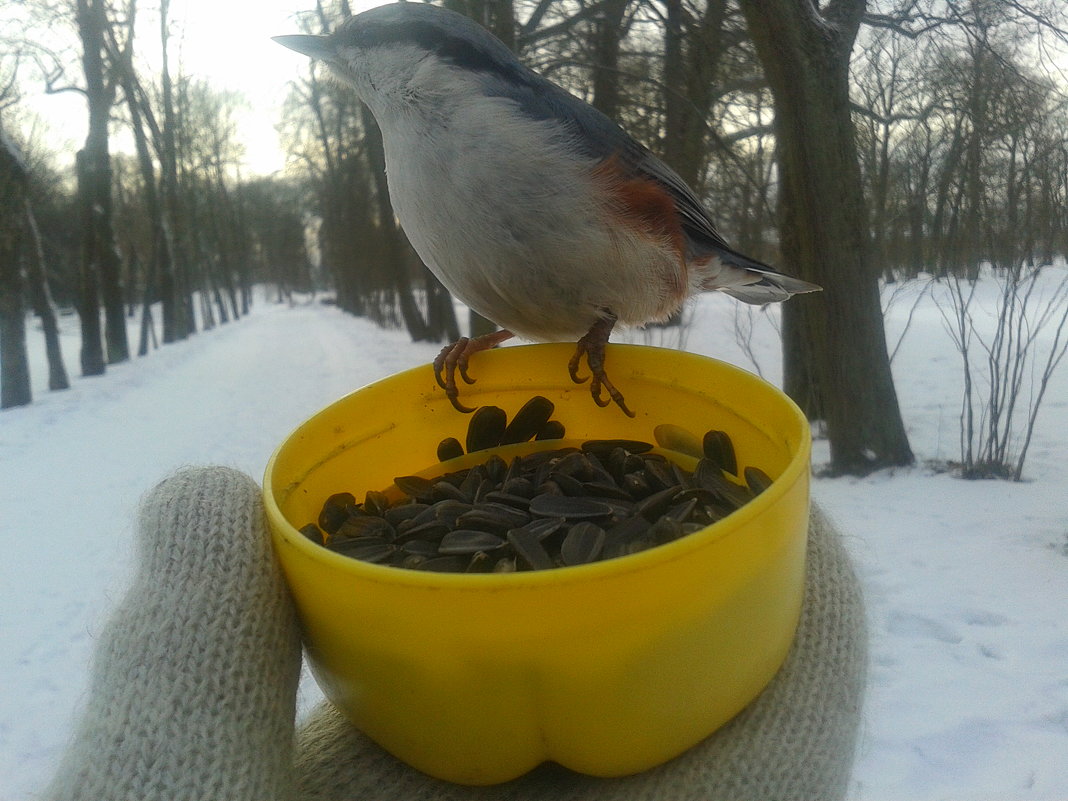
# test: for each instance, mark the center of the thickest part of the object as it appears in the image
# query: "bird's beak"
(317, 47)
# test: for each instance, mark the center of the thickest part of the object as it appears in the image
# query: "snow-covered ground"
(966, 582)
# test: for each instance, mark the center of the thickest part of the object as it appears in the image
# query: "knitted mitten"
(193, 687)
(794, 742)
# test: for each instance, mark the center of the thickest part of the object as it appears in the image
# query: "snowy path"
(74, 464)
(967, 583)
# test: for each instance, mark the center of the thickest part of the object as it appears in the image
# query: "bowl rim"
(281, 528)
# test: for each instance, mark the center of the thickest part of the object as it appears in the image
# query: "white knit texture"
(194, 681)
(193, 689)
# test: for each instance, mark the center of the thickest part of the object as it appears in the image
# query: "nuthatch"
(532, 207)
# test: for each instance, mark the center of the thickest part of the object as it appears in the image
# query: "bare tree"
(41, 299)
(101, 265)
(836, 362)
(178, 320)
(23, 236)
(14, 362)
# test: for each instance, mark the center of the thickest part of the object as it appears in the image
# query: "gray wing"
(601, 138)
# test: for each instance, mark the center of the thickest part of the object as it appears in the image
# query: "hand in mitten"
(194, 685)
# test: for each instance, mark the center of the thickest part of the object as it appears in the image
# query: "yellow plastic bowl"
(608, 668)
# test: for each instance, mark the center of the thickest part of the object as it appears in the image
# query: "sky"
(229, 44)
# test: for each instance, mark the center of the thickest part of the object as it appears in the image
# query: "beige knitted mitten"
(194, 683)
(193, 688)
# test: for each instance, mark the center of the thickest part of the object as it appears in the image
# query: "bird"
(529, 205)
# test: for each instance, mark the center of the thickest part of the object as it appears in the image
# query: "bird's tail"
(749, 280)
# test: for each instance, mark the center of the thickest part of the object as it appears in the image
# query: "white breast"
(508, 219)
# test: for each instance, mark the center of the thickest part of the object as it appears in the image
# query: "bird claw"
(454, 358)
(573, 365)
(592, 345)
(614, 395)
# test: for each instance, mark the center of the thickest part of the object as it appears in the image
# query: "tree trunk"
(692, 57)
(14, 361)
(607, 38)
(99, 253)
(161, 259)
(41, 299)
(175, 319)
(92, 350)
(836, 356)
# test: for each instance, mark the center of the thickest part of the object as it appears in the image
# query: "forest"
(854, 143)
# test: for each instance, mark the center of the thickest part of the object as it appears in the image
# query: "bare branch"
(904, 24)
(1041, 19)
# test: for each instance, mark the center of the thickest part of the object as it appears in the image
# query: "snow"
(966, 582)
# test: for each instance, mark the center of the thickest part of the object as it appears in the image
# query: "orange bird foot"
(592, 346)
(453, 358)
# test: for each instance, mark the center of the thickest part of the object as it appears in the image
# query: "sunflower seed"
(659, 476)
(652, 506)
(495, 468)
(430, 530)
(708, 475)
(422, 548)
(529, 550)
(486, 428)
(336, 511)
(518, 501)
(757, 479)
(422, 489)
(446, 490)
(551, 430)
(582, 544)
(676, 438)
(718, 447)
(481, 562)
(445, 564)
(360, 526)
(569, 485)
(547, 505)
(448, 510)
(573, 464)
(568, 506)
(366, 549)
(636, 485)
(601, 446)
(619, 536)
(519, 486)
(681, 512)
(493, 517)
(468, 542)
(313, 533)
(528, 421)
(449, 448)
(666, 529)
(405, 511)
(545, 527)
(375, 502)
(604, 489)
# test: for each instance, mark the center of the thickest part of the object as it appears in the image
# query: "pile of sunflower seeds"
(555, 508)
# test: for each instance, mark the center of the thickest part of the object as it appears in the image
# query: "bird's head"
(396, 53)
